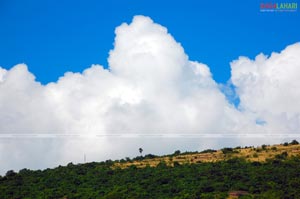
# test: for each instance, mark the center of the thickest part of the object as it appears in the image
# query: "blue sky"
(53, 37)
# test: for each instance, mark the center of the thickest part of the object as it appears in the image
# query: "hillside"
(252, 154)
(263, 172)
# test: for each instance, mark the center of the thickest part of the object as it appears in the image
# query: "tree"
(282, 156)
(227, 150)
(294, 142)
(177, 152)
(10, 173)
(150, 156)
(208, 151)
(274, 148)
(141, 150)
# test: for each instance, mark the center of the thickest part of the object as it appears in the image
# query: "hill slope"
(252, 154)
(272, 173)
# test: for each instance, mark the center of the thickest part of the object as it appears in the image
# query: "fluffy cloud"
(269, 88)
(151, 87)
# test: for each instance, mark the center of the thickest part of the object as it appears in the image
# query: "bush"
(138, 158)
(25, 171)
(177, 152)
(294, 142)
(208, 151)
(264, 147)
(255, 163)
(150, 156)
(162, 164)
(228, 150)
(282, 156)
(285, 144)
(109, 162)
(10, 173)
(189, 152)
(274, 148)
(258, 150)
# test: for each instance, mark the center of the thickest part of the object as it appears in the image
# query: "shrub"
(176, 164)
(281, 156)
(255, 155)
(109, 162)
(228, 150)
(208, 151)
(162, 164)
(274, 148)
(258, 150)
(177, 152)
(10, 173)
(150, 156)
(285, 144)
(138, 158)
(255, 163)
(189, 152)
(25, 171)
(294, 142)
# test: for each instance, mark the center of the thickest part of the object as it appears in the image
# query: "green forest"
(276, 178)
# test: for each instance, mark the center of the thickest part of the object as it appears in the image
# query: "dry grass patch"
(260, 154)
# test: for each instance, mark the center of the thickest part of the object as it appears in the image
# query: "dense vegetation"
(277, 178)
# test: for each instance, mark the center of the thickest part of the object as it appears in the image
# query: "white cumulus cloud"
(269, 88)
(150, 87)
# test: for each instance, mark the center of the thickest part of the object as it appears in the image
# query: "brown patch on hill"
(236, 194)
(252, 154)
